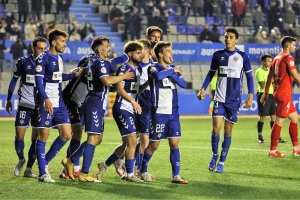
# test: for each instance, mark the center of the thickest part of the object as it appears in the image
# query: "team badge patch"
(235, 59)
(152, 69)
(159, 135)
(216, 111)
(38, 68)
(21, 121)
(291, 63)
(15, 69)
(103, 70)
(46, 123)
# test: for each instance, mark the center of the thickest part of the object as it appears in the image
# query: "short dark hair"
(159, 47)
(232, 30)
(287, 39)
(133, 46)
(53, 34)
(264, 56)
(145, 42)
(38, 39)
(151, 29)
(98, 41)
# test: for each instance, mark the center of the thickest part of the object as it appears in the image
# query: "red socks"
(293, 130)
(275, 134)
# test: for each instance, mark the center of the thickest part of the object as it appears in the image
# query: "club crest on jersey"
(103, 70)
(291, 63)
(215, 111)
(159, 135)
(38, 68)
(46, 123)
(152, 69)
(235, 59)
(21, 121)
(15, 69)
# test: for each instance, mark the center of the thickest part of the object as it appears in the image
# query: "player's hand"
(82, 71)
(263, 99)
(247, 103)
(176, 69)
(8, 106)
(48, 106)
(137, 108)
(201, 94)
(74, 70)
(128, 75)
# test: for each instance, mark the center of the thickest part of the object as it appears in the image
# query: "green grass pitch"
(249, 173)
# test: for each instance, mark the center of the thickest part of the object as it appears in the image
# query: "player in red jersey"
(283, 71)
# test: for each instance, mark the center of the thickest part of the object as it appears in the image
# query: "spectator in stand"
(164, 10)
(41, 31)
(127, 11)
(9, 19)
(134, 25)
(16, 49)
(159, 21)
(58, 6)
(15, 30)
(23, 10)
(74, 33)
(291, 31)
(30, 30)
(289, 16)
(261, 37)
(65, 11)
(51, 26)
(258, 18)
(36, 9)
(197, 7)
(275, 36)
(238, 10)
(273, 15)
(87, 32)
(264, 5)
(115, 16)
(3, 29)
(104, 2)
(208, 8)
(296, 8)
(205, 35)
(225, 15)
(149, 11)
(2, 56)
(141, 4)
(185, 10)
(74, 21)
(48, 4)
(215, 34)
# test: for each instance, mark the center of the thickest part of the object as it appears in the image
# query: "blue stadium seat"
(218, 20)
(174, 19)
(191, 29)
(221, 29)
(182, 29)
(209, 20)
(199, 29)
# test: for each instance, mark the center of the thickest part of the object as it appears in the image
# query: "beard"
(58, 50)
(135, 61)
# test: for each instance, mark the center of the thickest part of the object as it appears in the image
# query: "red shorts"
(284, 105)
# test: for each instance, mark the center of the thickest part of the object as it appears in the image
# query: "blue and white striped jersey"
(231, 66)
(163, 89)
(24, 68)
(130, 86)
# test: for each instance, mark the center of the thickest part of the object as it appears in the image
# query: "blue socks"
(146, 159)
(111, 159)
(19, 147)
(78, 153)
(31, 154)
(88, 155)
(54, 149)
(225, 147)
(129, 164)
(175, 161)
(215, 143)
(40, 154)
(73, 146)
